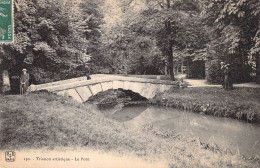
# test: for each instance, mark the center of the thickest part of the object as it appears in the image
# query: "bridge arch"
(117, 95)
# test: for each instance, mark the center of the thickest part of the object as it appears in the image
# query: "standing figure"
(222, 69)
(24, 82)
(88, 73)
(228, 85)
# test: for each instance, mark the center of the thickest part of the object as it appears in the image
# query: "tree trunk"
(258, 69)
(188, 73)
(165, 69)
(169, 41)
(6, 81)
(170, 61)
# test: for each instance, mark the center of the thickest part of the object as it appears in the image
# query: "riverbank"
(47, 121)
(240, 103)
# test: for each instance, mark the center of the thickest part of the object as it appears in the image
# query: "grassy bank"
(44, 120)
(240, 103)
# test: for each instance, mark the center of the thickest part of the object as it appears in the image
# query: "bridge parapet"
(62, 82)
(82, 89)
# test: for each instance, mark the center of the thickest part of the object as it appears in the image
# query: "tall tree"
(235, 24)
(168, 29)
(162, 23)
(52, 37)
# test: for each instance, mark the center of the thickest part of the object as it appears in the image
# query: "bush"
(242, 74)
(239, 73)
(196, 70)
(213, 72)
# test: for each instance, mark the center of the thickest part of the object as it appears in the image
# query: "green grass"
(240, 103)
(44, 120)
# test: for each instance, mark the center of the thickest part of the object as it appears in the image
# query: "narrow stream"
(240, 137)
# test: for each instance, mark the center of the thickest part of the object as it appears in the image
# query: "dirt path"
(203, 83)
(191, 82)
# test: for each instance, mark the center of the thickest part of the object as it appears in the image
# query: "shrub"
(196, 70)
(213, 72)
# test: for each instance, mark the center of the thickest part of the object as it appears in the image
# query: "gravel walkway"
(203, 83)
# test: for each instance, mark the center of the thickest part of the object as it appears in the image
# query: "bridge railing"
(62, 82)
(41, 86)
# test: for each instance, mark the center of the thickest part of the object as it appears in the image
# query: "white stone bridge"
(82, 89)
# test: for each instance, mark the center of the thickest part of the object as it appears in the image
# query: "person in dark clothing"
(228, 85)
(32, 79)
(88, 73)
(222, 69)
(24, 82)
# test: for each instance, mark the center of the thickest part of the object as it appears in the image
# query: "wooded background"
(57, 39)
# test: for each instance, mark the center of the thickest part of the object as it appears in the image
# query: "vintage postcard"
(129, 83)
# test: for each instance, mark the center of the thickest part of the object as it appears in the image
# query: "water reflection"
(238, 136)
(128, 113)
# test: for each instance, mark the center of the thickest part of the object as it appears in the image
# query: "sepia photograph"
(129, 83)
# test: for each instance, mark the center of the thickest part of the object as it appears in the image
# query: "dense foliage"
(154, 35)
(211, 30)
(53, 38)
(234, 28)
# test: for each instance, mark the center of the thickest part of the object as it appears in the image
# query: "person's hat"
(24, 70)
